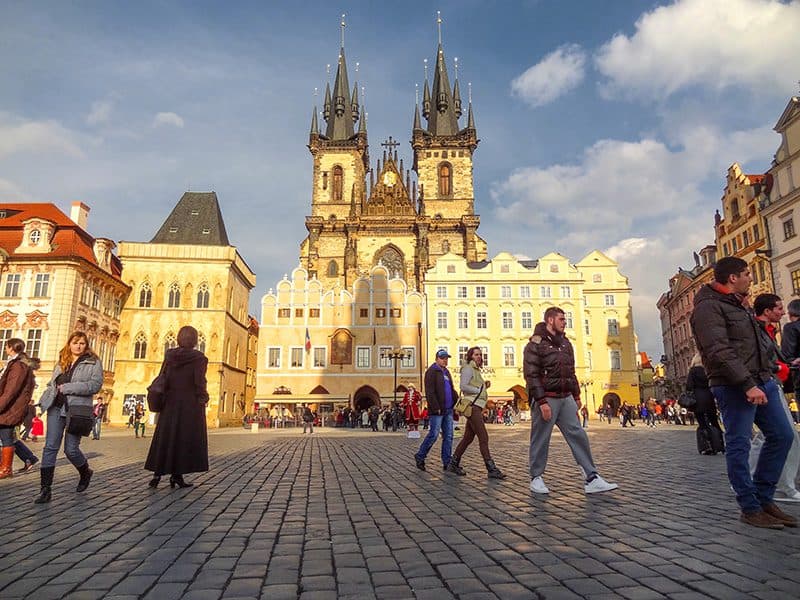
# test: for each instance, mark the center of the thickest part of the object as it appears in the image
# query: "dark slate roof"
(195, 213)
(529, 264)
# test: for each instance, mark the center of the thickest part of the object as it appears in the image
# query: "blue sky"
(604, 125)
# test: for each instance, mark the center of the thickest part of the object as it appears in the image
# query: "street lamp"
(586, 384)
(395, 355)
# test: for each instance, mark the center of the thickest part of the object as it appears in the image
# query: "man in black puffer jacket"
(554, 393)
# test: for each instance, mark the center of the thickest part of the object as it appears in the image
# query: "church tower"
(443, 162)
(341, 160)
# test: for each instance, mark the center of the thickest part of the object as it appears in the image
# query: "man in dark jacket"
(549, 366)
(790, 342)
(441, 395)
(737, 361)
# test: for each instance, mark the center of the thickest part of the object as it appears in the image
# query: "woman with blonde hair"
(67, 400)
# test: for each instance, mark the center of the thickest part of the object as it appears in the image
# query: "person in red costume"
(411, 406)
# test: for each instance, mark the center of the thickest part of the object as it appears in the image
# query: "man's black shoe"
(420, 463)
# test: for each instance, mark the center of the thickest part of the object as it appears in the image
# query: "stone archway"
(614, 400)
(365, 397)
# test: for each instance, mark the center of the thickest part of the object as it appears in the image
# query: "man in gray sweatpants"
(554, 393)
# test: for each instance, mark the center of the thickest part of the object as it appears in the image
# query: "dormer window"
(36, 236)
(195, 213)
(173, 230)
(206, 231)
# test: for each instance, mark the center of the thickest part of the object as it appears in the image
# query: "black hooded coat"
(180, 442)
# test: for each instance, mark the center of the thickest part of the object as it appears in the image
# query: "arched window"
(145, 295)
(338, 177)
(201, 343)
(174, 300)
(333, 269)
(170, 341)
(393, 261)
(445, 246)
(445, 179)
(202, 296)
(140, 346)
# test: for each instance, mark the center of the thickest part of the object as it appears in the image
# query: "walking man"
(99, 412)
(737, 361)
(790, 343)
(441, 395)
(549, 367)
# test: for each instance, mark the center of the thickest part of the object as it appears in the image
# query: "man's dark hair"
(552, 312)
(187, 337)
(793, 308)
(725, 267)
(765, 302)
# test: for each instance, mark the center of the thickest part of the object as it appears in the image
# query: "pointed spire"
(443, 119)
(314, 125)
(326, 107)
(354, 102)
(426, 101)
(470, 117)
(340, 124)
(362, 123)
(457, 100)
(417, 123)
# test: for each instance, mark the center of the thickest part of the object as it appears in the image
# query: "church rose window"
(393, 261)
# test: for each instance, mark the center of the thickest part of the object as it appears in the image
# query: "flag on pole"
(308, 341)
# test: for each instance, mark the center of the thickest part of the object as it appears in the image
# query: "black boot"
(46, 474)
(493, 471)
(454, 466)
(86, 477)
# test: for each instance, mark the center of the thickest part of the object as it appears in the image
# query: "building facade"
(188, 274)
(781, 205)
(55, 278)
(496, 304)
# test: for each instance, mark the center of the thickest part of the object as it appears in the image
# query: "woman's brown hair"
(187, 337)
(65, 356)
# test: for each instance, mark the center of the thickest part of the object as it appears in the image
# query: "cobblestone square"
(345, 514)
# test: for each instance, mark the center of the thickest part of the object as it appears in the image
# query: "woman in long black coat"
(709, 433)
(180, 442)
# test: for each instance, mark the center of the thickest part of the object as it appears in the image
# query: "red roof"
(68, 241)
(646, 364)
(756, 178)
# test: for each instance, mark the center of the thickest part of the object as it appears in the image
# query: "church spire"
(340, 123)
(314, 125)
(442, 120)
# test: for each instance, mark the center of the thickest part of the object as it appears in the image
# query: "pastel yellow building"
(496, 304)
(188, 274)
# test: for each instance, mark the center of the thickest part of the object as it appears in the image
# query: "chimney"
(79, 214)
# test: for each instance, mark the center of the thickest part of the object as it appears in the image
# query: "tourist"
(709, 433)
(16, 389)
(441, 395)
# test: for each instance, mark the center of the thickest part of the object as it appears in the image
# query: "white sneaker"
(792, 496)
(597, 485)
(538, 486)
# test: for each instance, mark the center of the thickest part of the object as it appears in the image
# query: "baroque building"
(188, 274)
(55, 278)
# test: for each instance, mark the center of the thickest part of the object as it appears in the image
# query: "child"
(37, 428)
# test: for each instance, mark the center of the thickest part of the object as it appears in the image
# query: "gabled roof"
(789, 113)
(69, 240)
(195, 220)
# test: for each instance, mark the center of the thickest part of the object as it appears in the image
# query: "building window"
(609, 299)
(84, 293)
(145, 296)
(201, 342)
(509, 357)
(363, 358)
(445, 247)
(735, 245)
(174, 298)
(524, 291)
(480, 291)
(284, 313)
(42, 285)
(384, 362)
(544, 291)
(445, 180)
(616, 361)
(296, 358)
(338, 176)
(441, 320)
(788, 229)
(441, 291)
(380, 313)
(463, 320)
(461, 291)
(566, 291)
(12, 285)
(273, 358)
(320, 358)
(613, 327)
(508, 320)
(363, 313)
(480, 319)
(170, 341)
(725, 249)
(409, 358)
(140, 346)
(202, 296)
(333, 269)
(505, 291)
(756, 233)
(298, 312)
(395, 313)
(485, 353)
(34, 344)
(96, 298)
(527, 320)
(313, 313)
(796, 282)
(504, 269)
(586, 329)
(597, 278)
(35, 237)
(745, 239)
(462, 354)
(451, 268)
(5, 335)
(568, 315)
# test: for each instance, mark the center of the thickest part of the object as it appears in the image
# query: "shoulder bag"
(687, 400)
(80, 419)
(157, 390)
(465, 401)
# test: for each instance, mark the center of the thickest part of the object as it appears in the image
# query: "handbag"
(687, 400)
(157, 390)
(80, 420)
(464, 403)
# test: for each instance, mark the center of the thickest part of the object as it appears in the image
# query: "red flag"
(308, 341)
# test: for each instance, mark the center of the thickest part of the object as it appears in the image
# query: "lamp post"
(395, 355)
(586, 384)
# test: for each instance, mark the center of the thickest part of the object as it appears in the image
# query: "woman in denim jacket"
(77, 377)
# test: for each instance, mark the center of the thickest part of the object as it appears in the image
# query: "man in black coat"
(790, 342)
(441, 395)
(737, 360)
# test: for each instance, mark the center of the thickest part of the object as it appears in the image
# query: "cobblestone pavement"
(345, 514)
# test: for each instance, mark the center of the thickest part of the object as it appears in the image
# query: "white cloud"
(167, 118)
(556, 74)
(752, 44)
(9, 191)
(100, 113)
(628, 248)
(36, 137)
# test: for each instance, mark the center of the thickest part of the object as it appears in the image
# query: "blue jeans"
(98, 423)
(738, 415)
(56, 424)
(24, 453)
(437, 422)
